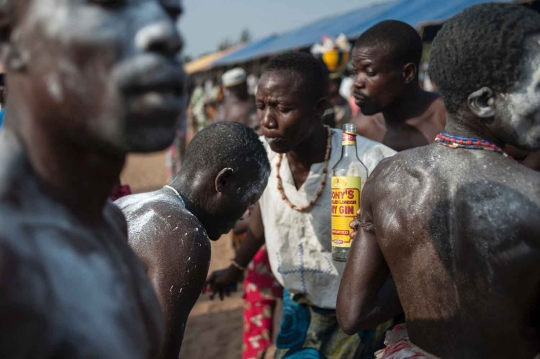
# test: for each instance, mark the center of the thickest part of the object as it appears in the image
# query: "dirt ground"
(214, 329)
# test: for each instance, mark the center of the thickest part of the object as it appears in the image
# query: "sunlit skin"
(394, 110)
(173, 242)
(89, 81)
(170, 229)
(458, 231)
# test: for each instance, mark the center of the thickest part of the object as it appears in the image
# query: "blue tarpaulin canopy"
(352, 24)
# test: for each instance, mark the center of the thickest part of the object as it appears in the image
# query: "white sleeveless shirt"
(298, 243)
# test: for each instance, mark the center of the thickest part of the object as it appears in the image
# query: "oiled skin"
(460, 232)
(70, 286)
(175, 251)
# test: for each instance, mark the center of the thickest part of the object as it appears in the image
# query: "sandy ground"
(214, 329)
(145, 173)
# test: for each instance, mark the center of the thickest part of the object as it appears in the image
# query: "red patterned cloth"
(398, 346)
(261, 290)
(119, 191)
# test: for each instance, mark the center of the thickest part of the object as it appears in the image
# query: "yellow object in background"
(335, 60)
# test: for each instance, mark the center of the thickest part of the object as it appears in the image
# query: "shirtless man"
(457, 227)
(225, 170)
(394, 110)
(89, 81)
(238, 105)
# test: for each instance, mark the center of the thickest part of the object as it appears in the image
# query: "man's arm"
(177, 268)
(254, 240)
(527, 159)
(367, 295)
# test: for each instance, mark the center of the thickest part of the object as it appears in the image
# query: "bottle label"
(345, 203)
(348, 139)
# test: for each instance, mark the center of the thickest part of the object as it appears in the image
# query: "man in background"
(238, 105)
(394, 110)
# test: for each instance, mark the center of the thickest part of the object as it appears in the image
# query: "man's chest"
(93, 296)
(412, 134)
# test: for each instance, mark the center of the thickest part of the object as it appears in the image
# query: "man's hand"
(222, 281)
(355, 223)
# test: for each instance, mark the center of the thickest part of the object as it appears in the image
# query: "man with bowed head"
(456, 222)
(293, 215)
(170, 229)
(84, 90)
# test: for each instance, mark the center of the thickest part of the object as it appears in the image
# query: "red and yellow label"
(348, 139)
(345, 204)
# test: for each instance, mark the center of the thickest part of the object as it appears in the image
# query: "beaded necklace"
(323, 181)
(452, 141)
(177, 194)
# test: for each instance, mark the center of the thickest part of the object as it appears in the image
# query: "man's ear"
(409, 73)
(224, 179)
(10, 56)
(482, 102)
(321, 106)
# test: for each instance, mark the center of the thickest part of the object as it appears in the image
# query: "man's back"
(464, 225)
(175, 251)
(71, 287)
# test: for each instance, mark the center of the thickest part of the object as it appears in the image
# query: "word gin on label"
(348, 176)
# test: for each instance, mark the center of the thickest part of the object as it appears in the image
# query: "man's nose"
(267, 119)
(161, 36)
(359, 81)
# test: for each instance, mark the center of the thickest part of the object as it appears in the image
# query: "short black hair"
(313, 72)
(226, 145)
(483, 46)
(401, 41)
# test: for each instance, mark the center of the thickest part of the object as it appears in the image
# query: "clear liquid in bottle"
(348, 176)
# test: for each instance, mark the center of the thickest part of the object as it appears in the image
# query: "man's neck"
(471, 127)
(179, 183)
(80, 178)
(406, 108)
(311, 150)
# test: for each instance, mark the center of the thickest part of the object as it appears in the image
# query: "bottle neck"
(348, 144)
(349, 150)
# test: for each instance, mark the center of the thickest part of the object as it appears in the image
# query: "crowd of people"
(445, 247)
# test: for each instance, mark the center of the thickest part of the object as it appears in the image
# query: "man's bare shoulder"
(159, 220)
(437, 109)
(372, 127)
(396, 171)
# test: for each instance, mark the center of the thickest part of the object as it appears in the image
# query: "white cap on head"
(234, 77)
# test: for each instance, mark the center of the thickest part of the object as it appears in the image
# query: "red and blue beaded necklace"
(452, 141)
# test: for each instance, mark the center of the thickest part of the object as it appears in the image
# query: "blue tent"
(352, 24)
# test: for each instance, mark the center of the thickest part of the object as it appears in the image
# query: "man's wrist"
(239, 267)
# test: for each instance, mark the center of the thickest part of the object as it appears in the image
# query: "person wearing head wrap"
(238, 105)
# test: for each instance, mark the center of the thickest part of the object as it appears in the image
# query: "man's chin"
(368, 111)
(147, 139)
(279, 146)
(215, 236)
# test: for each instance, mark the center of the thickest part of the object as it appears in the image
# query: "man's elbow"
(351, 316)
(348, 324)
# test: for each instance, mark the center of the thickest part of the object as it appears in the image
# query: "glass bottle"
(348, 176)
